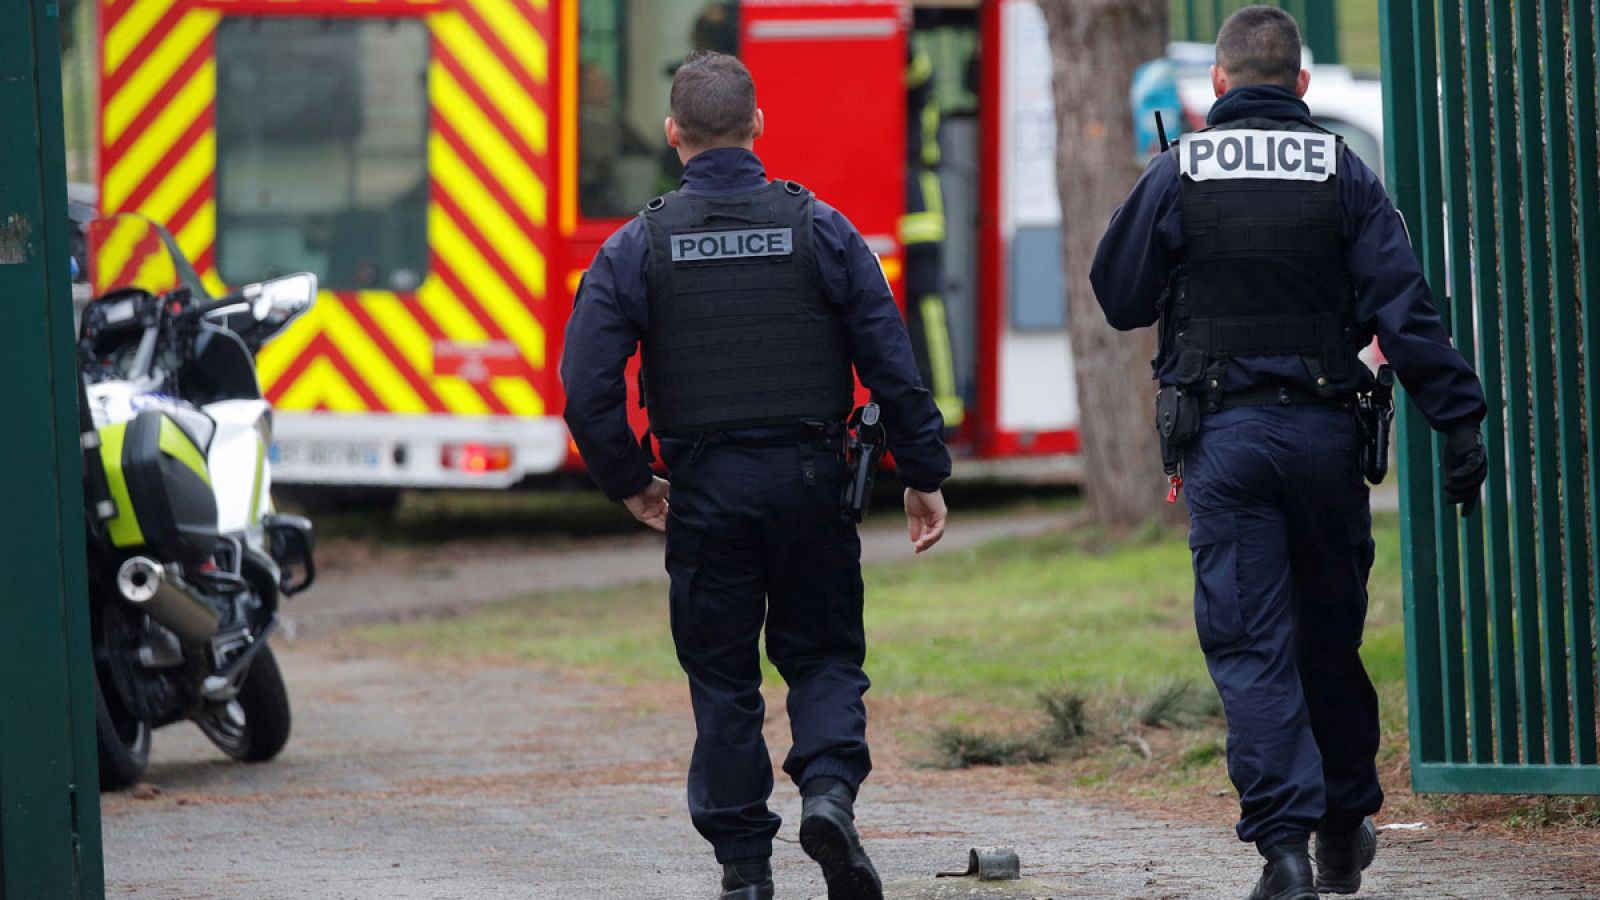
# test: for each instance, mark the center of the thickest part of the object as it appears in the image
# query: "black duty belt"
(763, 435)
(1280, 395)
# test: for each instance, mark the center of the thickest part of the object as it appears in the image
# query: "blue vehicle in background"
(1178, 86)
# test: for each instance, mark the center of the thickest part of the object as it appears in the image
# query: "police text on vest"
(1281, 155)
(742, 244)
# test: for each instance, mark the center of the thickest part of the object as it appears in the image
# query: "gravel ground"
(406, 780)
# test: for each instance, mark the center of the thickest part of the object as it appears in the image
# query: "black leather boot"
(1287, 874)
(747, 879)
(1341, 856)
(828, 835)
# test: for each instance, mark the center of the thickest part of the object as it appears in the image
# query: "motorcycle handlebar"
(199, 310)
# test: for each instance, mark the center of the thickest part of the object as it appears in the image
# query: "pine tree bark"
(1095, 45)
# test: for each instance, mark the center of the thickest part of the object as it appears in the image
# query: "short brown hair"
(1260, 45)
(713, 100)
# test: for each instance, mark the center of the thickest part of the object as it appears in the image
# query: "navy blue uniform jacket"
(611, 313)
(1145, 241)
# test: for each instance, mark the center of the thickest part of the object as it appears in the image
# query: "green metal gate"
(49, 795)
(1198, 20)
(1491, 124)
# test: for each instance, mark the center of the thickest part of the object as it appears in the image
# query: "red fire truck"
(449, 167)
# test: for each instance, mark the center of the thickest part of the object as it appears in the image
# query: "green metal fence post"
(1416, 506)
(49, 800)
(1485, 254)
(1319, 20)
(1514, 332)
(1586, 184)
(1469, 677)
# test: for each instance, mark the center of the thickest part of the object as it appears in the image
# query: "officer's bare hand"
(925, 515)
(650, 505)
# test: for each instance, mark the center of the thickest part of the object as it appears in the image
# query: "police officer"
(1271, 255)
(752, 300)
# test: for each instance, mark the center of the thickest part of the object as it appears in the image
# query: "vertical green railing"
(1490, 112)
(1198, 20)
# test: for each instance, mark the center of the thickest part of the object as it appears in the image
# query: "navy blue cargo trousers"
(1281, 535)
(755, 535)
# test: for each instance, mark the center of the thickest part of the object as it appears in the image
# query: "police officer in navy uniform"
(752, 300)
(1271, 255)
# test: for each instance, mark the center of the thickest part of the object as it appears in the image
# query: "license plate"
(326, 454)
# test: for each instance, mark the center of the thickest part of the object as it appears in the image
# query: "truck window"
(628, 53)
(322, 150)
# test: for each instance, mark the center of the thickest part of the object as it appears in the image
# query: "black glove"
(1465, 466)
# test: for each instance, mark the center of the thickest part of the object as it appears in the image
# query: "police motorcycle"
(187, 558)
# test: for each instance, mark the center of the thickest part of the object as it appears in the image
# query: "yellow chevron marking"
(417, 348)
(138, 91)
(322, 383)
(124, 37)
(198, 234)
(116, 251)
(518, 395)
(214, 282)
(156, 273)
(488, 144)
(391, 315)
(489, 290)
(184, 178)
(493, 79)
(503, 235)
(459, 396)
(281, 352)
(519, 36)
(447, 310)
(145, 154)
(389, 385)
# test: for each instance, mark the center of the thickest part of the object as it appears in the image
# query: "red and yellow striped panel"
(487, 291)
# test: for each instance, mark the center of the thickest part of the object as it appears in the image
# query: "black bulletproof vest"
(741, 333)
(1264, 269)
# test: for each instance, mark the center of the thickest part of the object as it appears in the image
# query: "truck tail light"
(475, 459)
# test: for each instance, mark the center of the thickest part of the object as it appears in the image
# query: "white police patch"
(742, 244)
(1282, 155)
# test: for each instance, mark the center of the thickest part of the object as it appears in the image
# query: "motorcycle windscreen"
(830, 79)
(130, 251)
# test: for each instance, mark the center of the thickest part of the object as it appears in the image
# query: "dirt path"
(407, 780)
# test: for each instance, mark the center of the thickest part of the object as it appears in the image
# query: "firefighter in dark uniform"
(752, 300)
(922, 232)
(1271, 255)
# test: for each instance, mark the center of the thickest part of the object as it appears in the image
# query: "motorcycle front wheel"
(254, 726)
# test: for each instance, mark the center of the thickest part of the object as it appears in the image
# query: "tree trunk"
(1095, 45)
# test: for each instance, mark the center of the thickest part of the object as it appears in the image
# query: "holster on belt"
(1177, 424)
(1375, 415)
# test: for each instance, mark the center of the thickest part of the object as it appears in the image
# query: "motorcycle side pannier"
(156, 475)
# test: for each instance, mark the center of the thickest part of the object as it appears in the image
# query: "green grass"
(986, 626)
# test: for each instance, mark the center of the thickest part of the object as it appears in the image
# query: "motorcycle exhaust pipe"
(166, 599)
